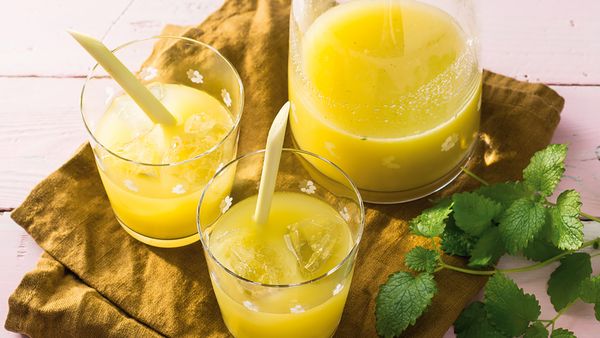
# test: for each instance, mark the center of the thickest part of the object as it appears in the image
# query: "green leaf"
(566, 228)
(590, 293)
(473, 323)
(508, 307)
(455, 241)
(536, 330)
(504, 193)
(540, 250)
(431, 223)
(401, 300)
(488, 249)
(421, 259)
(565, 282)
(520, 223)
(473, 213)
(590, 290)
(546, 168)
(562, 333)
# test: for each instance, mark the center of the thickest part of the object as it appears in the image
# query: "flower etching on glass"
(148, 73)
(178, 189)
(390, 162)
(131, 186)
(345, 214)
(195, 76)
(308, 188)
(226, 97)
(226, 204)
(450, 142)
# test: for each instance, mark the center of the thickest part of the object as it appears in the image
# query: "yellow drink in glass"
(387, 89)
(304, 238)
(160, 202)
(289, 277)
(154, 174)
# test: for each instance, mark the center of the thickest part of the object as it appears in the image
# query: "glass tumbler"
(154, 174)
(389, 90)
(289, 277)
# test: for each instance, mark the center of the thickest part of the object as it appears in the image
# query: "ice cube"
(199, 123)
(256, 263)
(311, 241)
(240, 251)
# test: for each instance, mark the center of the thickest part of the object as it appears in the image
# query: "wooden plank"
(34, 41)
(550, 41)
(40, 128)
(43, 48)
(18, 254)
(580, 129)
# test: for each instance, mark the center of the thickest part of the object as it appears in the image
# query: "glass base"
(159, 242)
(394, 197)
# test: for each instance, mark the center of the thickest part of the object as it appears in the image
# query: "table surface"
(556, 42)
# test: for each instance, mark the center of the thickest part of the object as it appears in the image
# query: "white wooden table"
(41, 72)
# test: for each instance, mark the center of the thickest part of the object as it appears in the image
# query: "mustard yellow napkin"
(94, 280)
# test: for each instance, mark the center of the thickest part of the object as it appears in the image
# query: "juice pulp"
(388, 90)
(154, 202)
(303, 239)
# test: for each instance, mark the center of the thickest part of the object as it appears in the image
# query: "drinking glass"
(252, 302)
(153, 176)
(389, 90)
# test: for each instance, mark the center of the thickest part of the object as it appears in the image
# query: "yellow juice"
(155, 194)
(389, 90)
(304, 239)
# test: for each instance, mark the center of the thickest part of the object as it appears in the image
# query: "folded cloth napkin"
(95, 280)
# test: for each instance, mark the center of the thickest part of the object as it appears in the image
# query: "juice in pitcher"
(389, 90)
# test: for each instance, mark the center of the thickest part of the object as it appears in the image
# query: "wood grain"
(40, 128)
(580, 129)
(551, 41)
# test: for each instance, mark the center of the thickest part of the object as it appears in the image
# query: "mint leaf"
(565, 282)
(520, 223)
(590, 290)
(473, 323)
(504, 193)
(473, 213)
(488, 249)
(536, 330)
(508, 307)
(546, 168)
(590, 293)
(540, 250)
(421, 259)
(401, 300)
(562, 333)
(566, 228)
(455, 241)
(430, 223)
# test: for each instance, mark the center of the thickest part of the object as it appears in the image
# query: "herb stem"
(473, 175)
(521, 269)
(537, 265)
(560, 313)
(588, 216)
(469, 271)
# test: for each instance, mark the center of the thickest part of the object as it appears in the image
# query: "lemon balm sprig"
(507, 218)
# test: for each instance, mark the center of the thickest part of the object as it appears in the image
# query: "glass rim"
(229, 133)
(331, 271)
